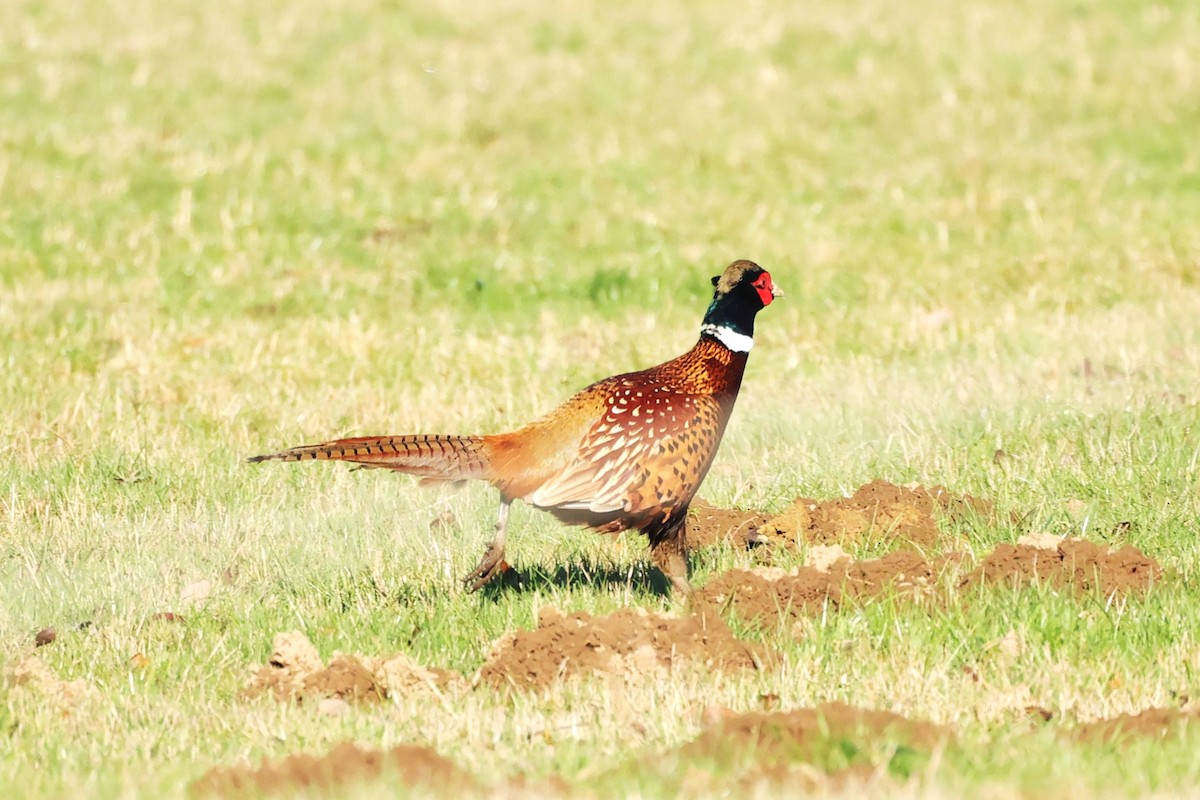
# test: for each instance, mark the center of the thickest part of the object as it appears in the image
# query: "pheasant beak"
(776, 291)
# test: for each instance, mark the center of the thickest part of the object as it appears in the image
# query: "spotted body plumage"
(627, 452)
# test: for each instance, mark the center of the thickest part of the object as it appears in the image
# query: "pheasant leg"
(670, 556)
(492, 563)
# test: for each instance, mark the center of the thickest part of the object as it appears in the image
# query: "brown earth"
(296, 671)
(879, 510)
(905, 515)
(628, 642)
(837, 739)
(346, 763)
(33, 676)
(766, 596)
(1075, 563)
(1157, 723)
(709, 525)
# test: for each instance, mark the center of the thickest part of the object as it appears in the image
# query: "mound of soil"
(34, 676)
(628, 642)
(709, 525)
(1075, 563)
(878, 511)
(345, 763)
(834, 737)
(769, 596)
(296, 671)
(1157, 723)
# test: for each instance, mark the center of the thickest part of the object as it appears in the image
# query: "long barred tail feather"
(433, 457)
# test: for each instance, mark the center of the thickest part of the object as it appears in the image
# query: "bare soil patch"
(1075, 563)
(837, 739)
(628, 642)
(709, 525)
(346, 763)
(1157, 723)
(33, 676)
(878, 511)
(295, 671)
(769, 596)
(901, 514)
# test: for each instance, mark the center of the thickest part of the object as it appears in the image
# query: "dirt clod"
(824, 557)
(44, 637)
(709, 525)
(1039, 714)
(628, 642)
(832, 737)
(345, 677)
(766, 596)
(294, 655)
(1042, 541)
(1158, 723)
(333, 707)
(1076, 563)
(345, 763)
(295, 670)
(879, 510)
(34, 676)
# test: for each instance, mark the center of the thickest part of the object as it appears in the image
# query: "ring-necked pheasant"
(628, 452)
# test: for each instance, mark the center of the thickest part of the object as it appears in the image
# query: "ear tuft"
(716, 279)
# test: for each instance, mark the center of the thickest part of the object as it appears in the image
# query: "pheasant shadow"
(580, 572)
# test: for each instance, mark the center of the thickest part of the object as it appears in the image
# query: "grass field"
(228, 228)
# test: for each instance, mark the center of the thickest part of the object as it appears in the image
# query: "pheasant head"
(741, 291)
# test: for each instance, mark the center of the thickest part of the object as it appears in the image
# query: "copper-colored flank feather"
(628, 452)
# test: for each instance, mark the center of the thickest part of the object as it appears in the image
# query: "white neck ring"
(737, 342)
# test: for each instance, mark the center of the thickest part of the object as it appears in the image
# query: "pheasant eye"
(766, 289)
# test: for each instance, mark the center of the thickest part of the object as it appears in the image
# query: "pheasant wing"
(651, 449)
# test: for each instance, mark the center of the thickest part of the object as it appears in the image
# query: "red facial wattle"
(765, 288)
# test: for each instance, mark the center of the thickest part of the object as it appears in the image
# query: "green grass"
(225, 230)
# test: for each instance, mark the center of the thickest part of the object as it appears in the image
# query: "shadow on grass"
(354, 590)
(580, 572)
